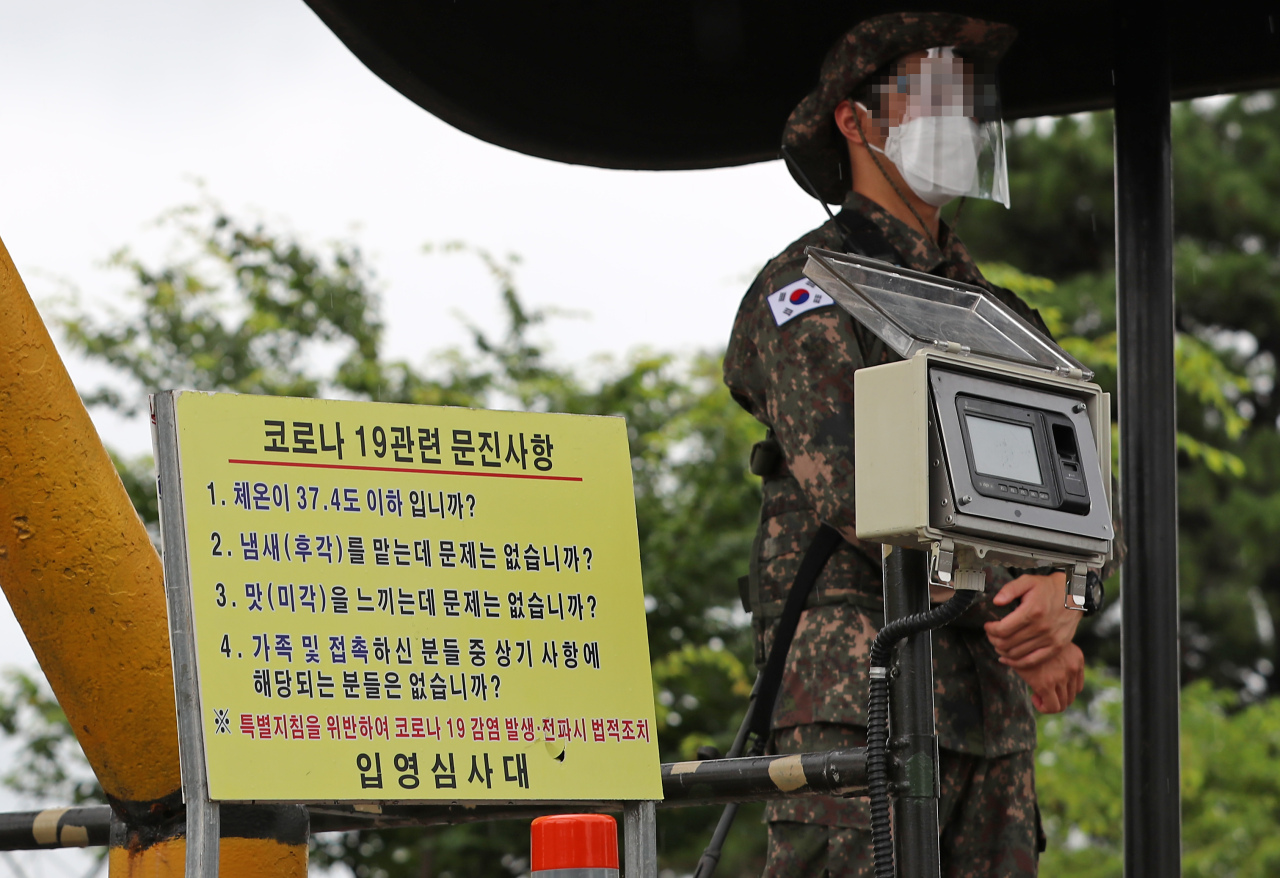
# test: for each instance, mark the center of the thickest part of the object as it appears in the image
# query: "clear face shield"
(941, 119)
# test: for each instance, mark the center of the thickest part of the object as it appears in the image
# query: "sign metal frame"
(203, 813)
(203, 817)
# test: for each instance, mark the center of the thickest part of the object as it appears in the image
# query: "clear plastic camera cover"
(910, 311)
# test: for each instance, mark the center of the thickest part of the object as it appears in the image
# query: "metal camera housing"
(990, 444)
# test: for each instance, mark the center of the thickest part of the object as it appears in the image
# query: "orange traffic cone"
(574, 846)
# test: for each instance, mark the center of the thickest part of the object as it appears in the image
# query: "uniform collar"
(918, 252)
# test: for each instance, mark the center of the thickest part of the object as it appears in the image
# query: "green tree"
(53, 765)
(244, 310)
(1230, 784)
(1227, 258)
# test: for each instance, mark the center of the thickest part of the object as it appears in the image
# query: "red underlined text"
(393, 469)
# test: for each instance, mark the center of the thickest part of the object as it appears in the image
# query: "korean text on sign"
(414, 603)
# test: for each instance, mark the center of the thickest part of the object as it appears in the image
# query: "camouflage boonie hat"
(811, 136)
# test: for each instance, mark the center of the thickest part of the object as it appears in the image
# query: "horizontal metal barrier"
(684, 784)
(754, 778)
(89, 826)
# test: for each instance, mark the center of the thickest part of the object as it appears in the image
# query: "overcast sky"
(108, 112)
(111, 111)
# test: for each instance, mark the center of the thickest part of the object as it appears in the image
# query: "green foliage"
(1202, 373)
(1078, 782)
(52, 765)
(241, 309)
(1230, 784)
(1226, 267)
(1227, 261)
(712, 685)
(181, 336)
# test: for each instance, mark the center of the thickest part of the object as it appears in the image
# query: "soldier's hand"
(1039, 627)
(1057, 681)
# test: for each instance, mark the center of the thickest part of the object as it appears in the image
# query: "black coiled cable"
(878, 717)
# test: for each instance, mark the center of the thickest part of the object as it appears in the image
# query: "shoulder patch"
(795, 299)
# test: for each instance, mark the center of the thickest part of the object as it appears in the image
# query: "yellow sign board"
(397, 602)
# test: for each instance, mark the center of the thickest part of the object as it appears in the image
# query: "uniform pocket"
(787, 534)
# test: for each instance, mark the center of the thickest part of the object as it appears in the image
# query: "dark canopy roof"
(673, 84)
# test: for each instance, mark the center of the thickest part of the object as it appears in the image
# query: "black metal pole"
(711, 855)
(912, 737)
(1148, 463)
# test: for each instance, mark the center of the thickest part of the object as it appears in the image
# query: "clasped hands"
(1035, 639)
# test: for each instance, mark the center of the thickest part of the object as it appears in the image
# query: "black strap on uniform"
(759, 718)
(863, 237)
(815, 559)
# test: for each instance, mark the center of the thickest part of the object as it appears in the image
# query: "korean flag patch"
(797, 298)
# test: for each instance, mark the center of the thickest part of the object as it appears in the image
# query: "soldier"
(903, 120)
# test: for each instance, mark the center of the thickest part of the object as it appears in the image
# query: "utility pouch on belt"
(766, 460)
(766, 456)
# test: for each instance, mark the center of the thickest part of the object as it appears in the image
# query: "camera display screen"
(1004, 450)
(1012, 460)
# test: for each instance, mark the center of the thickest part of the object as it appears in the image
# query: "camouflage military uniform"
(797, 378)
(793, 370)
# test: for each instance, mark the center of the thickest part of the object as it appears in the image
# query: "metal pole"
(202, 814)
(912, 735)
(1149, 498)
(263, 841)
(640, 838)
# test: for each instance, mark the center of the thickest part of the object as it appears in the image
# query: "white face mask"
(936, 155)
